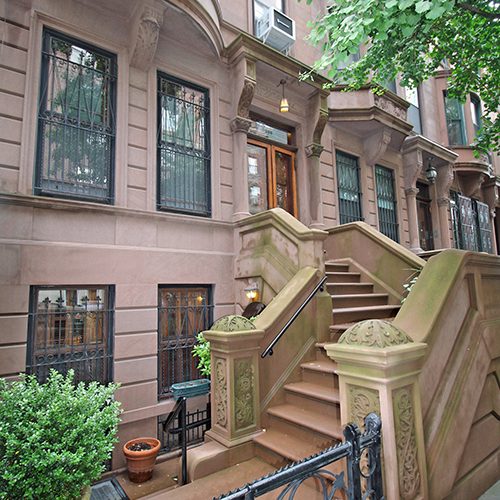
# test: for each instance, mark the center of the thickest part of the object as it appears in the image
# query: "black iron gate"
(364, 471)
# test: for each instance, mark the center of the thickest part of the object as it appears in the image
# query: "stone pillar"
(378, 367)
(313, 152)
(411, 205)
(235, 346)
(412, 168)
(239, 128)
(443, 184)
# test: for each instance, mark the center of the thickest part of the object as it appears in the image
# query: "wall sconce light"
(431, 172)
(283, 103)
(252, 292)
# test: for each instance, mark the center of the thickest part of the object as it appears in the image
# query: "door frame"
(271, 149)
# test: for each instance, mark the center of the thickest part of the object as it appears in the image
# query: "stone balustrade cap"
(232, 323)
(374, 333)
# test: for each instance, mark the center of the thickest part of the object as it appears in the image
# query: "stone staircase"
(309, 418)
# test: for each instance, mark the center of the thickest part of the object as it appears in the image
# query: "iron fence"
(364, 472)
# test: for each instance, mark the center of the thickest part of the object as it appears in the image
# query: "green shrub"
(55, 437)
(201, 350)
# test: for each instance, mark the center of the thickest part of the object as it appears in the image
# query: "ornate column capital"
(240, 124)
(411, 191)
(314, 150)
(146, 31)
(443, 202)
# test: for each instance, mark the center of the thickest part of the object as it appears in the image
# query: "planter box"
(191, 388)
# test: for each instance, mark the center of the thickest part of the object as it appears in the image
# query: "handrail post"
(351, 434)
(373, 426)
(182, 417)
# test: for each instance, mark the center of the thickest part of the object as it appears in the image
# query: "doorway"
(271, 177)
(424, 216)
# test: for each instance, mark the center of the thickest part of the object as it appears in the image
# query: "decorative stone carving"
(406, 443)
(444, 181)
(240, 124)
(391, 107)
(413, 166)
(374, 333)
(232, 323)
(376, 145)
(246, 97)
(149, 23)
(244, 391)
(314, 150)
(321, 122)
(220, 395)
(362, 401)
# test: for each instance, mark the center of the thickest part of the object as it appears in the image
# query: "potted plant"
(141, 456)
(56, 437)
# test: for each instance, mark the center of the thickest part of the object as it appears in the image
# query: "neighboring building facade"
(134, 134)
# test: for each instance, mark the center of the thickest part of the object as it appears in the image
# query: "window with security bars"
(70, 327)
(183, 312)
(471, 224)
(183, 147)
(348, 188)
(76, 120)
(386, 202)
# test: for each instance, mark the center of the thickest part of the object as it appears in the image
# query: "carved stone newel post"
(234, 343)
(378, 367)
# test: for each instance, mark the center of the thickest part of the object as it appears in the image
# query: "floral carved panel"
(244, 381)
(220, 392)
(361, 402)
(406, 443)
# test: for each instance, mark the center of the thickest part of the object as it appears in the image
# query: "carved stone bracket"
(240, 124)
(314, 150)
(376, 145)
(413, 165)
(246, 97)
(146, 33)
(444, 181)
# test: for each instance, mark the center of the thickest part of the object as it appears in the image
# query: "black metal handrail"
(295, 474)
(269, 349)
(180, 411)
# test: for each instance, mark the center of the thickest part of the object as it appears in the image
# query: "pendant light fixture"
(284, 107)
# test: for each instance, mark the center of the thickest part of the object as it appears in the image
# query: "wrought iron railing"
(364, 472)
(269, 349)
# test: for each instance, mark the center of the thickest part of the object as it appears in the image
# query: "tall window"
(348, 187)
(183, 312)
(183, 147)
(76, 120)
(475, 111)
(455, 121)
(386, 202)
(414, 109)
(70, 327)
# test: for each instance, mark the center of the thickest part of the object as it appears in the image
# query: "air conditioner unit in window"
(276, 29)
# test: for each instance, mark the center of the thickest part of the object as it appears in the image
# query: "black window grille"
(76, 120)
(471, 224)
(70, 327)
(455, 121)
(348, 188)
(183, 312)
(386, 202)
(183, 147)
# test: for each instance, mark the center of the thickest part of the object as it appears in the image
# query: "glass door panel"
(257, 177)
(284, 180)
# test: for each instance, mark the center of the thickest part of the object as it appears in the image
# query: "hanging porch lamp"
(284, 102)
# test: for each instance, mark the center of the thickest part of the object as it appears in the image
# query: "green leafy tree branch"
(416, 38)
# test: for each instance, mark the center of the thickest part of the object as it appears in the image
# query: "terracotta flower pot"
(140, 464)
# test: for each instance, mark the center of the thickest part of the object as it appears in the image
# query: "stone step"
(320, 372)
(343, 277)
(346, 288)
(360, 299)
(314, 397)
(295, 420)
(355, 314)
(336, 266)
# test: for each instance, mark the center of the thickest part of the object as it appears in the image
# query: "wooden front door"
(271, 177)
